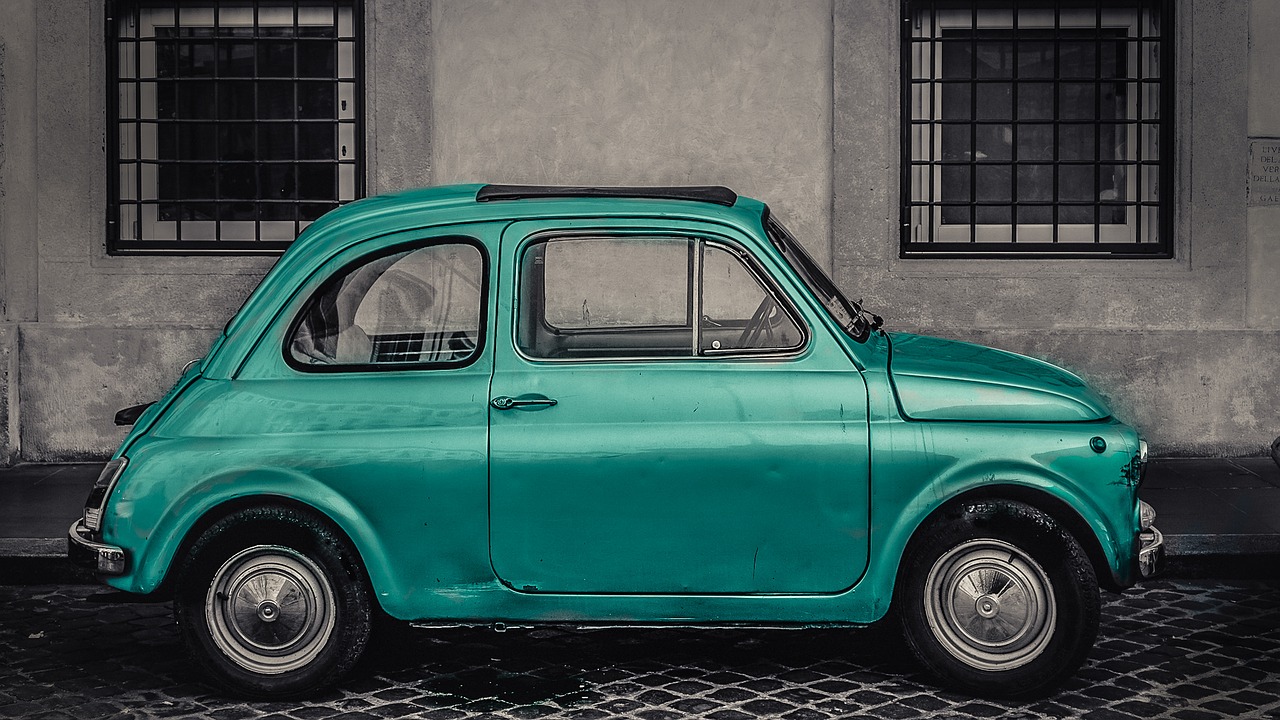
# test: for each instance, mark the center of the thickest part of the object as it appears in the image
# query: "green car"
(516, 405)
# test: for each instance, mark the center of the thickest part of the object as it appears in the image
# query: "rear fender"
(182, 518)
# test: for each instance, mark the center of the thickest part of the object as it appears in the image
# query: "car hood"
(938, 379)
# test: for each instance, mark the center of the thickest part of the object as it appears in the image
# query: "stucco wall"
(795, 103)
(100, 332)
(1264, 123)
(8, 421)
(619, 92)
(1169, 341)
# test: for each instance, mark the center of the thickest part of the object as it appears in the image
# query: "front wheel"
(271, 602)
(998, 599)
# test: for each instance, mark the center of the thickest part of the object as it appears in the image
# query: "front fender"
(908, 487)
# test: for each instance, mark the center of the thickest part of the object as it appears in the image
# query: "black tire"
(273, 603)
(996, 599)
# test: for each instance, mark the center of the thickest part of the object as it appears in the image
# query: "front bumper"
(82, 549)
(1150, 552)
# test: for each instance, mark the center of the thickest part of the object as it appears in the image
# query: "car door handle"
(502, 402)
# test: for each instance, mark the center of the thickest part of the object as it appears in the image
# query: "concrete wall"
(1183, 347)
(795, 103)
(620, 92)
(86, 333)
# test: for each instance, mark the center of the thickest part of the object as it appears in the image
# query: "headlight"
(1146, 515)
(101, 491)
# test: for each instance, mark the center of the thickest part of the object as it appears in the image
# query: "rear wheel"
(998, 599)
(272, 602)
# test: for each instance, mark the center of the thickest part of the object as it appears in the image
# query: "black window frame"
(920, 217)
(122, 240)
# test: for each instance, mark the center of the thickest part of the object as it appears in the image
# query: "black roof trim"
(698, 193)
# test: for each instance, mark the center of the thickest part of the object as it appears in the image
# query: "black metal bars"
(1036, 129)
(233, 124)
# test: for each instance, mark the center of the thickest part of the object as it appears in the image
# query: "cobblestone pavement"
(1186, 649)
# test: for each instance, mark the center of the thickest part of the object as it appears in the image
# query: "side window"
(738, 312)
(420, 306)
(623, 282)
(638, 297)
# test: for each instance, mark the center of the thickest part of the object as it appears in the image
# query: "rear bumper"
(83, 550)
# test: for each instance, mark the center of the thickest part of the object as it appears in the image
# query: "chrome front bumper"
(1150, 552)
(83, 550)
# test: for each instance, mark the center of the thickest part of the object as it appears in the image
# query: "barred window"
(1036, 129)
(233, 124)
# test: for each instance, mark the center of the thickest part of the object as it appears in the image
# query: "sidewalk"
(1212, 506)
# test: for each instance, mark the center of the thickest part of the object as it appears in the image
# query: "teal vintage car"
(518, 405)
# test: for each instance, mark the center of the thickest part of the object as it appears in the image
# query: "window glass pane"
(1075, 142)
(236, 59)
(317, 99)
(1075, 183)
(233, 142)
(1035, 142)
(1035, 101)
(956, 142)
(993, 183)
(316, 141)
(419, 306)
(994, 143)
(227, 85)
(599, 282)
(737, 312)
(1038, 118)
(607, 298)
(1035, 56)
(995, 101)
(956, 183)
(317, 58)
(1035, 183)
(275, 59)
(1034, 215)
(957, 101)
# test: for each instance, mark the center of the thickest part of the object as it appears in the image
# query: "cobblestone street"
(1186, 649)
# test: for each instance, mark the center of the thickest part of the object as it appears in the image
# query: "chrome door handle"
(502, 402)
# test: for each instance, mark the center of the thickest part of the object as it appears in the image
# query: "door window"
(415, 307)
(638, 297)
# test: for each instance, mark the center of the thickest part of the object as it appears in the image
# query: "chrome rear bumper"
(83, 550)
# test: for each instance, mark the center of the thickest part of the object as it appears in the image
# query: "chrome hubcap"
(990, 605)
(270, 609)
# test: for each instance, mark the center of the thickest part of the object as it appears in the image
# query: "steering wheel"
(759, 325)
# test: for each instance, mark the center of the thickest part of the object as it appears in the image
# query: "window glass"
(416, 306)
(234, 123)
(603, 282)
(737, 311)
(1029, 128)
(636, 297)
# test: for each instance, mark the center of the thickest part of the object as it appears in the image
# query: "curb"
(1222, 544)
(33, 548)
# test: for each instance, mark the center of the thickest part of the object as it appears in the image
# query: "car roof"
(443, 205)
(450, 204)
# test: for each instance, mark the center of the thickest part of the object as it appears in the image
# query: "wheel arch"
(1055, 507)
(347, 525)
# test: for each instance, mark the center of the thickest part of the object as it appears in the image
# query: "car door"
(664, 420)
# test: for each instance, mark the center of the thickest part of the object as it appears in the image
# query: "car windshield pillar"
(847, 314)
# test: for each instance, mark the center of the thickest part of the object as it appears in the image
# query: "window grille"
(233, 125)
(1036, 129)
